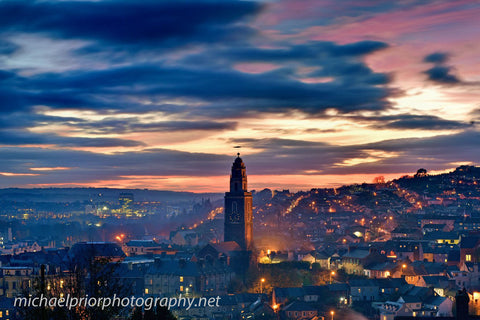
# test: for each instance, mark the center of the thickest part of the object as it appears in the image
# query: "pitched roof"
(357, 253)
(226, 247)
(186, 268)
(469, 242)
(299, 306)
(292, 292)
(434, 280)
(363, 283)
(142, 243)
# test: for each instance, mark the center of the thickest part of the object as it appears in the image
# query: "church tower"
(238, 208)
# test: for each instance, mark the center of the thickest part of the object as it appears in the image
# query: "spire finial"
(238, 154)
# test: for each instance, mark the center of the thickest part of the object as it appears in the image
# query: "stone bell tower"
(238, 208)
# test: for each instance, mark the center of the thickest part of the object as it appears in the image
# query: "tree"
(421, 173)
(91, 276)
(158, 313)
(379, 180)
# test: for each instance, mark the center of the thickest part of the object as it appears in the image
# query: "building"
(126, 202)
(15, 280)
(238, 208)
(167, 277)
(299, 310)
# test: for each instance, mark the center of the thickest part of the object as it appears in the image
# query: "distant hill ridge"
(418, 182)
(103, 194)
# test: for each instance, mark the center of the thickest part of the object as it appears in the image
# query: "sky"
(163, 94)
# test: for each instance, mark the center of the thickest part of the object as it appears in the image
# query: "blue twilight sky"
(158, 94)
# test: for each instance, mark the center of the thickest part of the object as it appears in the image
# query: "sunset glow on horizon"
(126, 94)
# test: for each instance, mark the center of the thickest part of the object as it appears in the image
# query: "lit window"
(181, 288)
(146, 290)
(181, 279)
(468, 257)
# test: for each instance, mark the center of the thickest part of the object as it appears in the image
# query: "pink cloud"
(255, 67)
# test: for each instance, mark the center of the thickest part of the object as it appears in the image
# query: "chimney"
(461, 303)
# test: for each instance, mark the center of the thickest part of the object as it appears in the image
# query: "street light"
(332, 274)
(261, 284)
(332, 313)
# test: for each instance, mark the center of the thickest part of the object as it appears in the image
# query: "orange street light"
(261, 284)
(332, 274)
(332, 313)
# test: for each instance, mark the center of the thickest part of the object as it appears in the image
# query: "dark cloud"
(358, 48)
(412, 121)
(224, 90)
(440, 72)
(129, 22)
(128, 125)
(16, 137)
(312, 52)
(437, 57)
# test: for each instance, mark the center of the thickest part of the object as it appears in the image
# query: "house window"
(181, 288)
(468, 257)
(146, 290)
(181, 279)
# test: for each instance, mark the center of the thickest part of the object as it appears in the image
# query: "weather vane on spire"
(238, 153)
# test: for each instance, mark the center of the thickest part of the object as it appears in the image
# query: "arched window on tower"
(234, 207)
